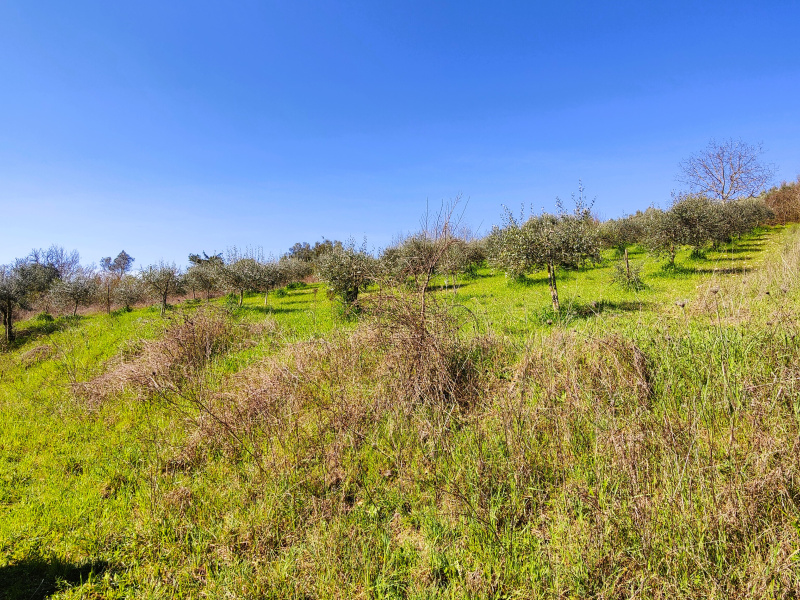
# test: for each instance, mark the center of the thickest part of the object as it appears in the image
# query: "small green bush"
(628, 277)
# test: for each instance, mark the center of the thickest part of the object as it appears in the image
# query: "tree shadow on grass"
(441, 287)
(572, 311)
(742, 249)
(529, 281)
(36, 328)
(726, 271)
(668, 270)
(593, 309)
(36, 578)
(724, 258)
(273, 310)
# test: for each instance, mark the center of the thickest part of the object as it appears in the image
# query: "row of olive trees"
(693, 220)
(568, 240)
(412, 261)
(243, 271)
(239, 272)
(55, 279)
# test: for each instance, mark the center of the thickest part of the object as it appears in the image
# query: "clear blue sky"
(166, 128)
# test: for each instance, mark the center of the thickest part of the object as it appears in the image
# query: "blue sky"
(166, 128)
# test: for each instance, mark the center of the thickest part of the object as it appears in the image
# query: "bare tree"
(64, 262)
(727, 170)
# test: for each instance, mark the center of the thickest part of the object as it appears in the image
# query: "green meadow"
(635, 444)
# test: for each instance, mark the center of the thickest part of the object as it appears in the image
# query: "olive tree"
(12, 296)
(695, 218)
(305, 252)
(412, 257)
(726, 170)
(129, 290)
(663, 233)
(270, 275)
(622, 233)
(565, 240)
(739, 217)
(20, 284)
(161, 280)
(347, 270)
(276, 274)
(79, 288)
(241, 275)
(205, 273)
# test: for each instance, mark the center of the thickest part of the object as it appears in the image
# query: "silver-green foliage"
(564, 240)
(20, 285)
(161, 280)
(129, 291)
(80, 288)
(347, 270)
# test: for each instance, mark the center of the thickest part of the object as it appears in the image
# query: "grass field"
(639, 444)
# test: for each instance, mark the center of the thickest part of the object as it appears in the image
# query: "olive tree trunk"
(8, 322)
(551, 279)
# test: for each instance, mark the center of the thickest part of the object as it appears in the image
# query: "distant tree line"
(724, 202)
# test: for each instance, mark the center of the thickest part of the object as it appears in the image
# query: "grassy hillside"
(639, 444)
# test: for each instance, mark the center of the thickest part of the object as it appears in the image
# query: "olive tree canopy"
(347, 270)
(78, 289)
(161, 280)
(564, 240)
(20, 284)
(205, 273)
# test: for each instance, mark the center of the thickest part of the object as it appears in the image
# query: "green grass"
(628, 447)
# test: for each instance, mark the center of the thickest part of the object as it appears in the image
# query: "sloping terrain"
(639, 443)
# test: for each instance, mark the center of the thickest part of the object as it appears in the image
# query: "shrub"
(784, 201)
(627, 276)
(172, 363)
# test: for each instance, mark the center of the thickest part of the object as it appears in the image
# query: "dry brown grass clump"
(570, 368)
(428, 352)
(167, 363)
(36, 355)
(320, 398)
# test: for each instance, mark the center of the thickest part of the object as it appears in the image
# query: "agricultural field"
(473, 443)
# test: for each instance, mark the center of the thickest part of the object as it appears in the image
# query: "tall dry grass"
(416, 456)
